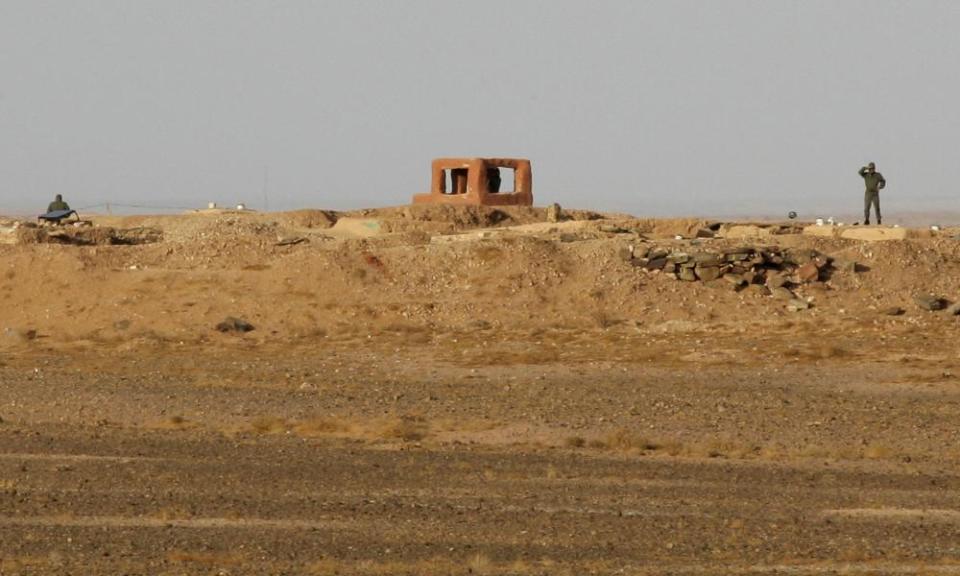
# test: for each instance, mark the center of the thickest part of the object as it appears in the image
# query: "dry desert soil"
(436, 391)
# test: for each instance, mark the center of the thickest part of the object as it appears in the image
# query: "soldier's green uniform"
(874, 182)
(57, 204)
(493, 180)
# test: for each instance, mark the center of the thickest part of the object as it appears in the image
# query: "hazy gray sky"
(657, 107)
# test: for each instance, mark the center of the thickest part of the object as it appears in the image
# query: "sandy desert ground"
(439, 391)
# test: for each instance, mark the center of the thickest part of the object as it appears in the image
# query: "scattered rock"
(799, 256)
(775, 281)
(625, 253)
(679, 258)
(929, 302)
(719, 283)
(954, 309)
(845, 265)
(808, 272)
(758, 290)
(687, 275)
(707, 273)
(893, 311)
(231, 324)
(797, 305)
(291, 241)
(735, 279)
(656, 264)
(737, 256)
(781, 293)
(706, 259)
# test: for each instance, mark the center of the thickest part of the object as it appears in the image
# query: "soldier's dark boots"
(866, 222)
(879, 222)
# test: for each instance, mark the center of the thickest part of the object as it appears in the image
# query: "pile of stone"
(767, 270)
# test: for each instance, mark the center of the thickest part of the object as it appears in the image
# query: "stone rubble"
(768, 271)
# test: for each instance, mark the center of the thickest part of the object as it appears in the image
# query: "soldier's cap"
(871, 165)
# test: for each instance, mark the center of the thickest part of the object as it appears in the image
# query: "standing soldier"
(874, 182)
(493, 179)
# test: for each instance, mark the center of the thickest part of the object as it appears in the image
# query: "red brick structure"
(476, 181)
